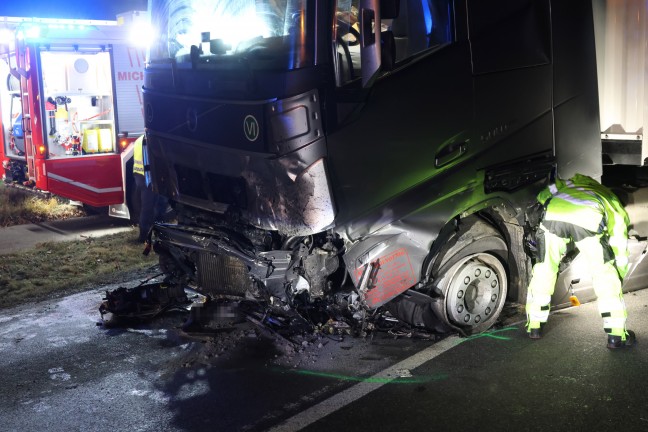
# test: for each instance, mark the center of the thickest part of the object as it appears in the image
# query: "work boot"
(615, 342)
(535, 333)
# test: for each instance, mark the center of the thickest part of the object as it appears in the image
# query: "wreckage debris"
(143, 302)
(208, 317)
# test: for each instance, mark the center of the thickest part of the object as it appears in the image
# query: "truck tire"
(470, 279)
(472, 276)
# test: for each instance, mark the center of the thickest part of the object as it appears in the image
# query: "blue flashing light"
(33, 32)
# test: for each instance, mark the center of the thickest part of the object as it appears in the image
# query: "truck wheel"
(474, 291)
(472, 278)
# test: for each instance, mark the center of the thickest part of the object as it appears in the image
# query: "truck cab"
(385, 149)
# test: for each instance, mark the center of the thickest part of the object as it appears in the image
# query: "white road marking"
(352, 394)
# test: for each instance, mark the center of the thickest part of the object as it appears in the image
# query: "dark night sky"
(80, 9)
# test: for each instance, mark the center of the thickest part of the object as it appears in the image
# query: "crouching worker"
(582, 211)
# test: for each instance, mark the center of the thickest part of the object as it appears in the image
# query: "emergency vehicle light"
(36, 31)
(123, 143)
(41, 149)
(142, 35)
(68, 26)
(32, 32)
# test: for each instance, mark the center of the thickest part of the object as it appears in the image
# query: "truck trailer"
(621, 29)
(70, 107)
(373, 155)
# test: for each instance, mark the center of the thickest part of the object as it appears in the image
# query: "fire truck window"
(11, 113)
(495, 27)
(78, 103)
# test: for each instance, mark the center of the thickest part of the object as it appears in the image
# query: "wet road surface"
(62, 372)
(567, 381)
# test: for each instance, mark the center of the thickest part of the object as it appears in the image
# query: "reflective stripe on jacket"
(584, 202)
(138, 156)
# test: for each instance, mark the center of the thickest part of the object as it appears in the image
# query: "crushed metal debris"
(298, 326)
(219, 326)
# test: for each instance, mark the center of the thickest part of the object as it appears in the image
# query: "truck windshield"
(265, 33)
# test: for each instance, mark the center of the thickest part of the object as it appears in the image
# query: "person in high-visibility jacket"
(583, 211)
(152, 205)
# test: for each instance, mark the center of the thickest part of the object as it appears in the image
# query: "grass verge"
(20, 207)
(61, 268)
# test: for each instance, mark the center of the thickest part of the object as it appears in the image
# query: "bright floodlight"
(6, 36)
(142, 35)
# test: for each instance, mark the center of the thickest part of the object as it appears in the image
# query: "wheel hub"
(475, 290)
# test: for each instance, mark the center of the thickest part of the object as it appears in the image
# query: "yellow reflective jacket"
(584, 202)
(138, 156)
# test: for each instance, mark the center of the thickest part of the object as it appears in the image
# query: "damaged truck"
(374, 155)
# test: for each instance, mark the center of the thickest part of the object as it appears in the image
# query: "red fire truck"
(71, 105)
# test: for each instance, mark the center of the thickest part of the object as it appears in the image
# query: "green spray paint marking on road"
(491, 334)
(380, 380)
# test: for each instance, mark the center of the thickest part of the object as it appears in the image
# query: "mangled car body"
(374, 153)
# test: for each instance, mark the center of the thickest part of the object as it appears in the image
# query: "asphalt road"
(567, 381)
(62, 372)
